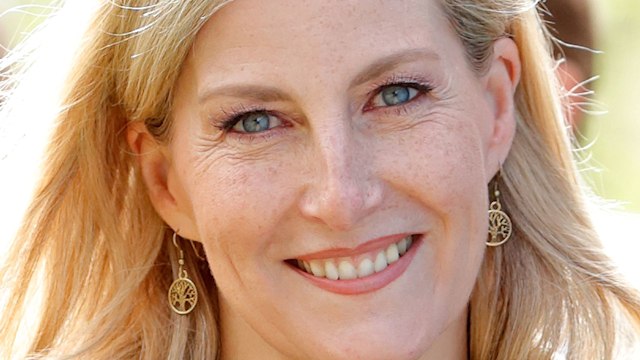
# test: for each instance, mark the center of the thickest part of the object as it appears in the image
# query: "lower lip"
(370, 283)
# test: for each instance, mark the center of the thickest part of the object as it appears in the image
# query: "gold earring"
(500, 228)
(183, 294)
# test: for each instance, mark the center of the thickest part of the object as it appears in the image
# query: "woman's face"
(348, 137)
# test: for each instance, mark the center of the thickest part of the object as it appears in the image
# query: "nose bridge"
(343, 189)
(338, 159)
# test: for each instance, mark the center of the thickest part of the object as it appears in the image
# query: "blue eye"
(255, 122)
(395, 95)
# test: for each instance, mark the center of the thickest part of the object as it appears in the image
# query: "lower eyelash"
(423, 90)
(406, 108)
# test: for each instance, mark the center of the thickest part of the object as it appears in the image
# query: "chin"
(376, 342)
(371, 349)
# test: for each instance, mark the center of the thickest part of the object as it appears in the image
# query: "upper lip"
(374, 244)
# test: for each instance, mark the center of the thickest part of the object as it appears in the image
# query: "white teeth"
(402, 246)
(381, 262)
(347, 271)
(331, 271)
(392, 254)
(365, 268)
(317, 268)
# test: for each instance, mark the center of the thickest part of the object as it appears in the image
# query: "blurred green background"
(616, 134)
(613, 138)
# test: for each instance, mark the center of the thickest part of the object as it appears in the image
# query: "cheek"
(236, 204)
(442, 168)
(441, 164)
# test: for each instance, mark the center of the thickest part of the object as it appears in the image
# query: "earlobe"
(155, 168)
(501, 82)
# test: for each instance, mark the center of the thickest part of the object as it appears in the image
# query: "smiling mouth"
(356, 267)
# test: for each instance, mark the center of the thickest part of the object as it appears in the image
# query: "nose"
(344, 188)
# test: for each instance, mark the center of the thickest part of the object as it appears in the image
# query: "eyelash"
(423, 87)
(233, 115)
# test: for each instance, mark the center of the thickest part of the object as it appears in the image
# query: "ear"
(501, 82)
(165, 191)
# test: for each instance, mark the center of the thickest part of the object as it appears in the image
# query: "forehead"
(329, 33)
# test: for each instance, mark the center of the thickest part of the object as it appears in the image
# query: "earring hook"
(195, 250)
(175, 240)
(496, 192)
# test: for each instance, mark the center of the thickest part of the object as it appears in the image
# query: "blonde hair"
(103, 255)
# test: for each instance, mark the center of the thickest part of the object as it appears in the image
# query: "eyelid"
(423, 88)
(400, 79)
(237, 120)
(230, 117)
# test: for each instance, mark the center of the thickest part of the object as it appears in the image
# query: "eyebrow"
(251, 92)
(390, 62)
(272, 94)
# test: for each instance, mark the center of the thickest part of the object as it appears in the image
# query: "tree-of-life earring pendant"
(499, 222)
(183, 294)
